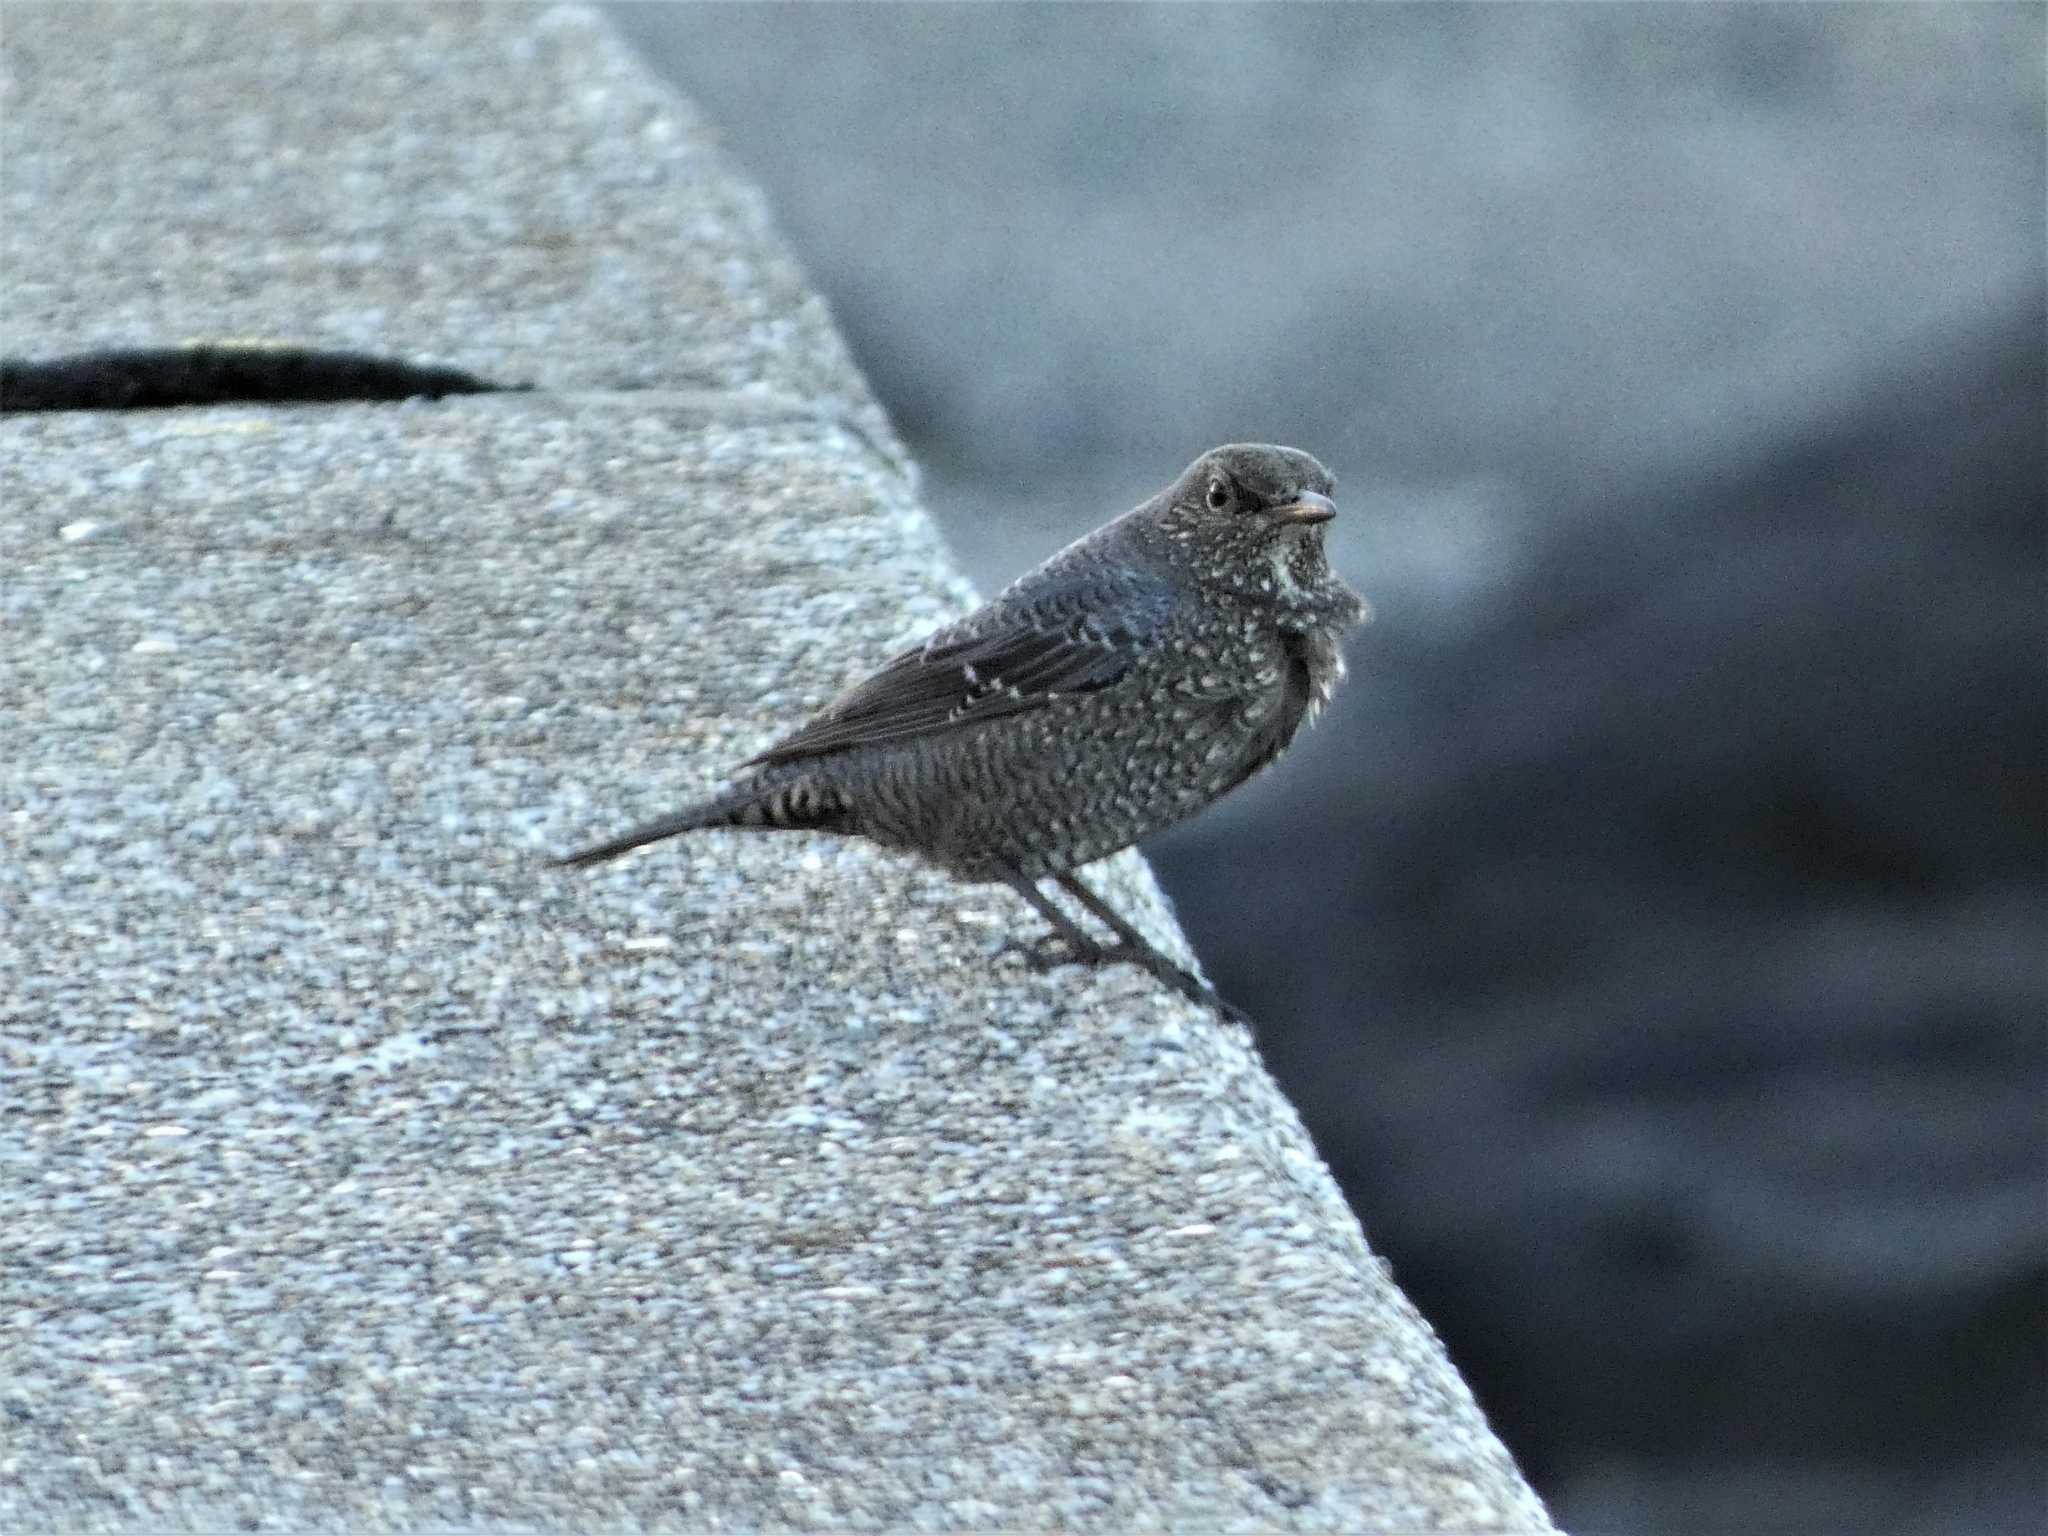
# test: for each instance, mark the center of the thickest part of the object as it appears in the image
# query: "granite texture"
(359, 1170)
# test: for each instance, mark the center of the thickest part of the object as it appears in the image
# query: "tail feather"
(793, 804)
(639, 837)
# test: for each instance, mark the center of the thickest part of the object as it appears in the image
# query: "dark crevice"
(148, 378)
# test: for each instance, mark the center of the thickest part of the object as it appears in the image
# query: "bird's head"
(1254, 489)
(1249, 517)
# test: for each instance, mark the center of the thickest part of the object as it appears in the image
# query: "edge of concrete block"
(364, 1173)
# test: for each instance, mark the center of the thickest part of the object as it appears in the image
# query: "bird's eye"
(1219, 495)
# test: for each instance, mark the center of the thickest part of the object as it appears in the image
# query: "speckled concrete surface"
(358, 1170)
(503, 189)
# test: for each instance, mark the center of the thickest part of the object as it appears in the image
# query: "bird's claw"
(1047, 952)
(1050, 951)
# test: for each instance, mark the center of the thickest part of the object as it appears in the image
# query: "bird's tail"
(785, 804)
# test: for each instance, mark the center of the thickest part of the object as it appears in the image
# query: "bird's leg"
(1067, 943)
(1134, 947)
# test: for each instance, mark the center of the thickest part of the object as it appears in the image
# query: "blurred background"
(1653, 934)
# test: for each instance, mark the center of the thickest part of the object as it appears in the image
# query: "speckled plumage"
(1136, 676)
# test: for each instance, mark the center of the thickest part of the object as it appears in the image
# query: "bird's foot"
(1076, 946)
(1047, 952)
(1186, 983)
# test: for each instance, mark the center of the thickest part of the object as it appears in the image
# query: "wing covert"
(1039, 642)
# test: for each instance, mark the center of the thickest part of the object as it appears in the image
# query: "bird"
(1128, 682)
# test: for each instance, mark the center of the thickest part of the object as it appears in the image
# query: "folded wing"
(1060, 635)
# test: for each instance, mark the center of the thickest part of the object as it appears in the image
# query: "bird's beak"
(1309, 508)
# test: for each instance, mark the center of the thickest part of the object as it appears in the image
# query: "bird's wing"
(1058, 635)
